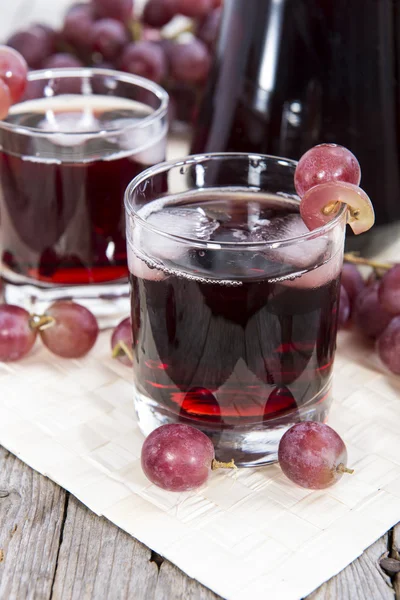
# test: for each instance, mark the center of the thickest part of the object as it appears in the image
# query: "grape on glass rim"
(122, 342)
(17, 335)
(388, 346)
(179, 458)
(312, 455)
(389, 290)
(13, 73)
(70, 330)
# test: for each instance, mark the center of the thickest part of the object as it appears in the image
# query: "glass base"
(108, 302)
(250, 445)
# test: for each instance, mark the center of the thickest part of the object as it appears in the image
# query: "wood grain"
(361, 580)
(31, 516)
(395, 553)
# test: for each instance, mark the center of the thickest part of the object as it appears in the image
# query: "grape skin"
(352, 281)
(16, 336)
(343, 308)
(325, 163)
(146, 59)
(388, 346)
(310, 453)
(78, 23)
(389, 291)
(207, 29)
(123, 332)
(74, 332)
(158, 13)
(121, 10)
(5, 99)
(369, 316)
(177, 457)
(189, 62)
(34, 44)
(196, 9)
(108, 37)
(13, 72)
(62, 60)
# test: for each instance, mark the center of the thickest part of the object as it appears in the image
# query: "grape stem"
(341, 468)
(41, 322)
(216, 464)
(352, 258)
(121, 349)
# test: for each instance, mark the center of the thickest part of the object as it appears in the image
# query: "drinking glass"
(67, 153)
(233, 301)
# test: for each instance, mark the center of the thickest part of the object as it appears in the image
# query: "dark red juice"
(240, 350)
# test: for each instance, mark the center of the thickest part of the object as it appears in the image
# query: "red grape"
(108, 37)
(62, 60)
(321, 203)
(388, 346)
(207, 29)
(121, 10)
(352, 281)
(16, 335)
(146, 59)
(5, 99)
(13, 71)
(325, 163)
(389, 291)
(78, 23)
(177, 457)
(189, 62)
(194, 8)
(122, 342)
(344, 308)
(312, 455)
(369, 316)
(72, 333)
(158, 13)
(34, 44)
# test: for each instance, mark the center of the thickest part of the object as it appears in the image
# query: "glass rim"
(89, 72)
(199, 158)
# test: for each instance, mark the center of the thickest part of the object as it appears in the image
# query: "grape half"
(325, 163)
(72, 330)
(389, 291)
(13, 72)
(388, 346)
(177, 457)
(122, 342)
(17, 337)
(312, 455)
(322, 203)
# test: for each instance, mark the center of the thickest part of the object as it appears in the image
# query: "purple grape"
(326, 163)
(388, 346)
(207, 29)
(312, 455)
(13, 73)
(389, 291)
(121, 10)
(17, 337)
(189, 62)
(35, 44)
(352, 281)
(344, 308)
(78, 23)
(196, 9)
(368, 315)
(73, 331)
(5, 99)
(122, 342)
(62, 60)
(108, 37)
(146, 59)
(158, 13)
(177, 457)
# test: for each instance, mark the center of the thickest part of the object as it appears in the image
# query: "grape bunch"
(108, 33)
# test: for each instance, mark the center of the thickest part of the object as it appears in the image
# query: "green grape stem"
(121, 349)
(216, 464)
(341, 468)
(41, 322)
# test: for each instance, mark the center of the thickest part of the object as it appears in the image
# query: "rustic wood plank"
(172, 583)
(31, 517)
(395, 553)
(360, 580)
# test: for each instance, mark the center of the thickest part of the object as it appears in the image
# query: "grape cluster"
(373, 307)
(107, 33)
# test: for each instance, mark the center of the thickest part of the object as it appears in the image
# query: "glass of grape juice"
(67, 153)
(233, 301)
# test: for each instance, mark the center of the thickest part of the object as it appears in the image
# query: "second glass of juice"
(67, 152)
(234, 301)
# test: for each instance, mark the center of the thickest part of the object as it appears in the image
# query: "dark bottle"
(289, 74)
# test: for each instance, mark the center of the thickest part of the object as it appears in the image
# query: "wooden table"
(52, 546)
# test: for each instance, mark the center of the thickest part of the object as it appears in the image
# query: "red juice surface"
(62, 219)
(223, 337)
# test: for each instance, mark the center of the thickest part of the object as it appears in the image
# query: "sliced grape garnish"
(322, 203)
(16, 334)
(313, 455)
(179, 458)
(325, 163)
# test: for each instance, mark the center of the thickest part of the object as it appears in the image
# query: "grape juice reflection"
(221, 354)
